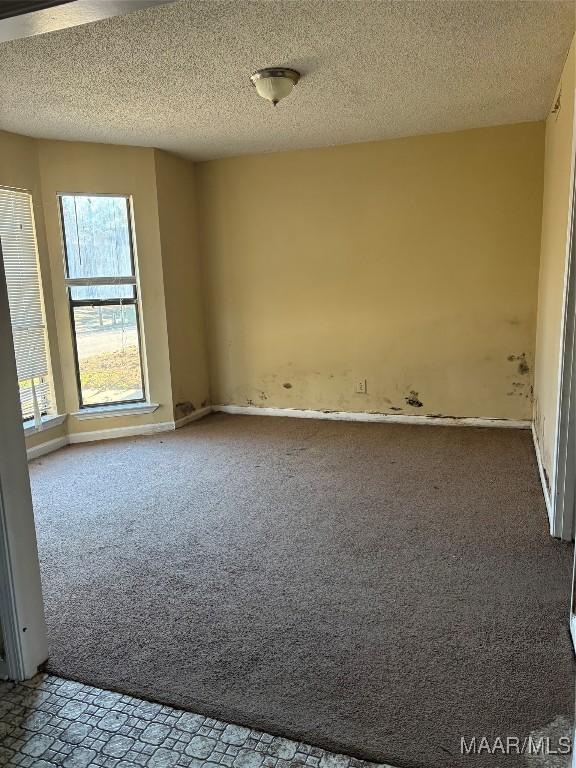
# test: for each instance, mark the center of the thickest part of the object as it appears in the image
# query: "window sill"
(105, 411)
(48, 422)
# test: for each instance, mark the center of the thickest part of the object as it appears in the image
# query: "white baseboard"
(253, 410)
(542, 473)
(390, 418)
(115, 432)
(48, 447)
(194, 416)
(110, 434)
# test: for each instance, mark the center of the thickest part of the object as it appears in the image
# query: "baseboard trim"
(545, 490)
(194, 416)
(390, 418)
(48, 447)
(115, 432)
(110, 434)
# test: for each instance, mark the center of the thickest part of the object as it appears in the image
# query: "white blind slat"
(20, 256)
(27, 398)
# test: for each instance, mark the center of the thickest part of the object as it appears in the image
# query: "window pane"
(108, 354)
(89, 292)
(97, 234)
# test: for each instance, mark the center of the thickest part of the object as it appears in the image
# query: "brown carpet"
(378, 590)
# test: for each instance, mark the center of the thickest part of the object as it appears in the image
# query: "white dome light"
(274, 83)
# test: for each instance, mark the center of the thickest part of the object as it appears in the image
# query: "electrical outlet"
(361, 387)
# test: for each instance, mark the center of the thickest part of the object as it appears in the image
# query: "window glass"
(108, 354)
(97, 236)
(104, 292)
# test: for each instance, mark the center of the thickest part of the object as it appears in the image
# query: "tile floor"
(48, 722)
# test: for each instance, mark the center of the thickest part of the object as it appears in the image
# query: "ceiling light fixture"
(274, 83)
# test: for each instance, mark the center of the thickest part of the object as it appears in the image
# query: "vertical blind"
(18, 240)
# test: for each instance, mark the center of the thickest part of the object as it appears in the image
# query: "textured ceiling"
(176, 76)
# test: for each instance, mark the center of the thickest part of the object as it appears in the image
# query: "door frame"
(565, 495)
(564, 473)
(21, 606)
(564, 485)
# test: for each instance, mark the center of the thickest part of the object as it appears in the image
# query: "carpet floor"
(378, 590)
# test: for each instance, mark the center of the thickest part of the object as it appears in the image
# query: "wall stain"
(414, 400)
(519, 391)
(287, 385)
(546, 479)
(523, 367)
(185, 407)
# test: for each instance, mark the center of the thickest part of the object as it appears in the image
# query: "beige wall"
(555, 215)
(19, 168)
(410, 263)
(175, 186)
(163, 194)
(78, 167)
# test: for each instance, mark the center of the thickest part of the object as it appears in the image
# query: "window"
(103, 295)
(20, 255)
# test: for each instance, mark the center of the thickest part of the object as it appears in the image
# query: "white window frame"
(135, 405)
